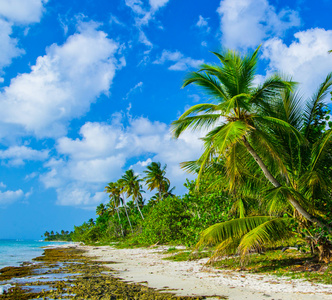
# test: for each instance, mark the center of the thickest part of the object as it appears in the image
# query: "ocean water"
(14, 252)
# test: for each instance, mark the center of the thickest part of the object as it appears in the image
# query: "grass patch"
(290, 263)
(188, 255)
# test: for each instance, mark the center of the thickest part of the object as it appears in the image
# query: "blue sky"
(88, 89)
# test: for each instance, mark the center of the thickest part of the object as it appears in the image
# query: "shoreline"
(143, 270)
(192, 278)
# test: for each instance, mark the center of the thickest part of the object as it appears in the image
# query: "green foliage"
(63, 236)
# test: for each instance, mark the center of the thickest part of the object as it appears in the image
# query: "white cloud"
(306, 59)
(16, 12)
(77, 195)
(145, 12)
(182, 63)
(9, 48)
(137, 87)
(102, 153)
(157, 4)
(115, 20)
(31, 176)
(2, 185)
(16, 155)
(9, 197)
(22, 11)
(246, 23)
(203, 23)
(62, 84)
(144, 40)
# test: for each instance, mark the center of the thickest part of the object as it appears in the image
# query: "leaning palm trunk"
(277, 184)
(139, 209)
(324, 246)
(117, 211)
(131, 227)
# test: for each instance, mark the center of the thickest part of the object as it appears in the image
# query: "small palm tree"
(101, 209)
(131, 186)
(120, 189)
(114, 196)
(155, 178)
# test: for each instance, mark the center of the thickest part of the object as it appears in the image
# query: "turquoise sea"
(14, 252)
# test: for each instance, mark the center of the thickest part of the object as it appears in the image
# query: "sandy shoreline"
(192, 278)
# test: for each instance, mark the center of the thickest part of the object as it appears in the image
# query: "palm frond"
(194, 122)
(209, 83)
(266, 234)
(315, 101)
(236, 228)
(319, 148)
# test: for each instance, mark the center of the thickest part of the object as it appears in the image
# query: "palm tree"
(155, 178)
(100, 210)
(119, 190)
(241, 122)
(114, 196)
(131, 186)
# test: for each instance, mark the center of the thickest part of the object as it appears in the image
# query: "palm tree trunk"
(277, 184)
(117, 211)
(131, 227)
(139, 209)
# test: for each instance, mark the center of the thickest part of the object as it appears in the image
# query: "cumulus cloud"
(103, 151)
(9, 47)
(9, 197)
(306, 59)
(16, 12)
(16, 155)
(62, 84)
(180, 62)
(22, 11)
(246, 23)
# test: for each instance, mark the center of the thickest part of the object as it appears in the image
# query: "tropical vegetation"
(263, 178)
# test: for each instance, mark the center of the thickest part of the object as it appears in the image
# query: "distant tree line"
(62, 236)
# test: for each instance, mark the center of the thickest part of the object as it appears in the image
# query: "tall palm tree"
(131, 186)
(111, 189)
(155, 178)
(119, 190)
(241, 122)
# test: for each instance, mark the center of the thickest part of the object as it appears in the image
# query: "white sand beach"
(194, 278)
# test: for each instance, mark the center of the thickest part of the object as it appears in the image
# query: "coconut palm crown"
(155, 178)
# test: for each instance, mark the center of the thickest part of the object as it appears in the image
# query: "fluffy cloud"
(62, 84)
(246, 23)
(103, 152)
(306, 59)
(182, 63)
(16, 155)
(9, 48)
(9, 197)
(16, 12)
(22, 11)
